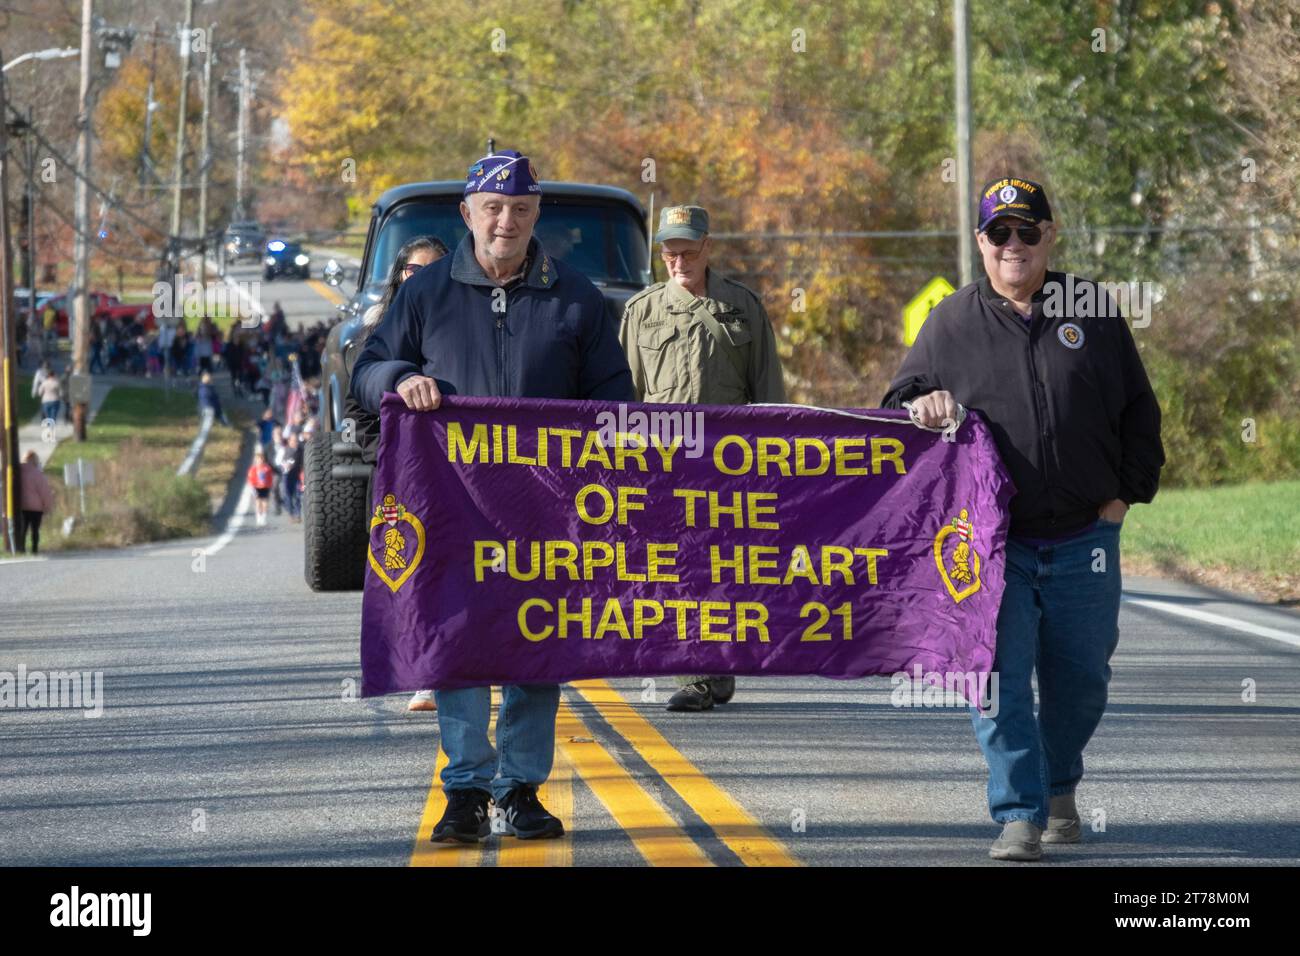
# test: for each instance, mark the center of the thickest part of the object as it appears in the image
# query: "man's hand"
(420, 393)
(1113, 510)
(931, 410)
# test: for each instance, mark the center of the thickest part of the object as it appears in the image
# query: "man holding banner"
(700, 339)
(1062, 387)
(497, 318)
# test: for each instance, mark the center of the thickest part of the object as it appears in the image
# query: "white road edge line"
(254, 301)
(236, 522)
(246, 496)
(1222, 620)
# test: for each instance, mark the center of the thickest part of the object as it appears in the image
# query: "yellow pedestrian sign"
(915, 312)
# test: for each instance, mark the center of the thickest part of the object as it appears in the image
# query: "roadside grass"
(159, 418)
(1241, 537)
(352, 240)
(221, 454)
(106, 278)
(28, 404)
(136, 441)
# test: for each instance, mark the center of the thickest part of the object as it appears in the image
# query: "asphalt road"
(231, 735)
(305, 302)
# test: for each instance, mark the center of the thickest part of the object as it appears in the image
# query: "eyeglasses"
(1000, 234)
(411, 268)
(685, 257)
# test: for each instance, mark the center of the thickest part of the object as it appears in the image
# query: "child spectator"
(261, 477)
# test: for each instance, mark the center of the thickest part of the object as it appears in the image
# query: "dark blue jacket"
(208, 398)
(554, 338)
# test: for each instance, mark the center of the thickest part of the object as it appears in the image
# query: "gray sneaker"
(1063, 821)
(693, 697)
(1020, 841)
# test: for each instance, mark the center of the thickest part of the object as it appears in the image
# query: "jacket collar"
(541, 267)
(714, 293)
(1001, 304)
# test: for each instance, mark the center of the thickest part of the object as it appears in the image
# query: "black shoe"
(692, 697)
(723, 688)
(466, 818)
(525, 817)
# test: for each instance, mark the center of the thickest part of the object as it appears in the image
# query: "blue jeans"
(292, 494)
(50, 410)
(1059, 615)
(525, 737)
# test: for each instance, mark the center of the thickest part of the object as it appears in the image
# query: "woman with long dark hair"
(414, 255)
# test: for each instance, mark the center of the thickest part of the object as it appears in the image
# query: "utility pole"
(29, 146)
(961, 70)
(115, 41)
(146, 157)
(180, 132)
(205, 160)
(242, 135)
(29, 154)
(8, 341)
(81, 220)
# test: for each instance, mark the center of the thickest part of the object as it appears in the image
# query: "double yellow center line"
(657, 835)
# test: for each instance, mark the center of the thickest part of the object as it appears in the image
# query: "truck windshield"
(604, 242)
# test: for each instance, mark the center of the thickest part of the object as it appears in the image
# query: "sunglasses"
(1000, 234)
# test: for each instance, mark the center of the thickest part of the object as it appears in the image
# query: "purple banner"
(521, 541)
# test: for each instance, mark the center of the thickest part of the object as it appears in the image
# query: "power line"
(184, 245)
(62, 217)
(107, 197)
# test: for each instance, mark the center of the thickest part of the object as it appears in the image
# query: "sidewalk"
(31, 437)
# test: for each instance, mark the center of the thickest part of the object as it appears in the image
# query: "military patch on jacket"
(1071, 336)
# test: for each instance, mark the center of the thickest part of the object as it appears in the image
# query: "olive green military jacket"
(676, 359)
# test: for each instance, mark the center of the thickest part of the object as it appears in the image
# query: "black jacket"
(1066, 398)
(555, 337)
(366, 423)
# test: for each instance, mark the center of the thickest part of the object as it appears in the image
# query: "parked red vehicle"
(102, 306)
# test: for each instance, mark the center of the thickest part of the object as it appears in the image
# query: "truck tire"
(334, 521)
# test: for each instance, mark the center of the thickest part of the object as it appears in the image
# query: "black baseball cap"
(1013, 197)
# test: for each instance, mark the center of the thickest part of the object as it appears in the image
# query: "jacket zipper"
(501, 350)
(1040, 413)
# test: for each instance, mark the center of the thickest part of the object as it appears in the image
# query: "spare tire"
(335, 521)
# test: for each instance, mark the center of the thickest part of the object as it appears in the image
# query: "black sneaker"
(692, 697)
(723, 688)
(466, 818)
(525, 817)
